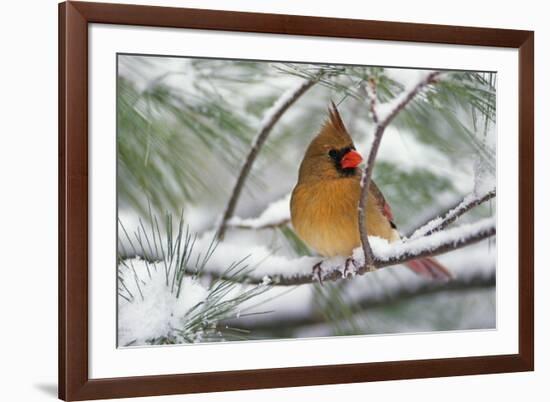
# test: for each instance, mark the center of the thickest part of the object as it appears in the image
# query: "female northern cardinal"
(325, 200)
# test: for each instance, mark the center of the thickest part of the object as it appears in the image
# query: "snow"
(385, 251)
(466, 264)
(431, 225)
(260, 257)
(154, 310)
(263, 262)
(275, 213)
(434, 223)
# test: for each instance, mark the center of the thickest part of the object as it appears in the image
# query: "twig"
(381, 124)
(442, 221)
(371, 93)
(270, 119)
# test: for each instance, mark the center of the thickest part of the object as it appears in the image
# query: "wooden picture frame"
(74, 381)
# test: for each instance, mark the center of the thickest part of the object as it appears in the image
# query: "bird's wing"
(382, 203)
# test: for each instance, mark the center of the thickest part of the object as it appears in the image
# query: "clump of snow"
(275, 213)
(153, 310)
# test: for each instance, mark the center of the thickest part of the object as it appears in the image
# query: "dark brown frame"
(74, 17)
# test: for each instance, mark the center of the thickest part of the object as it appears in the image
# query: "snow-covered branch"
(441, 221)
(383, 116)
(291, 272)
(281, 270)
(271, 117)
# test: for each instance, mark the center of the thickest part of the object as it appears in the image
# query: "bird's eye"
(333, 154)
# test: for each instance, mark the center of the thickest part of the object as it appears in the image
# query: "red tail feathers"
(429, 268)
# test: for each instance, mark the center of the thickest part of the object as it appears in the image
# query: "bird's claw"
(318, 271)
(349, 260)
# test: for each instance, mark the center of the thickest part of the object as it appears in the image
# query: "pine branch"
(295, 272)
(436, 244)
(271, 117)
(441, 221)
(382, 121)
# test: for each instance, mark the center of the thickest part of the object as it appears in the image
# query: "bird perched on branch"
(325, 200)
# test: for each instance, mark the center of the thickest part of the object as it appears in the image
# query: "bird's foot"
(318, 272)
(347, 270)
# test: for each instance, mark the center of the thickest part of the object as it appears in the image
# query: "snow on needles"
(151, 310)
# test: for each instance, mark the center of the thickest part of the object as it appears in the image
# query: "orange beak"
(351, 160)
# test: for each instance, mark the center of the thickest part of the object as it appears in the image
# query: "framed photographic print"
(259, 200)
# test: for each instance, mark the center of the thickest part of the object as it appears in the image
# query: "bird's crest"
(336, 119)
(334, 131)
